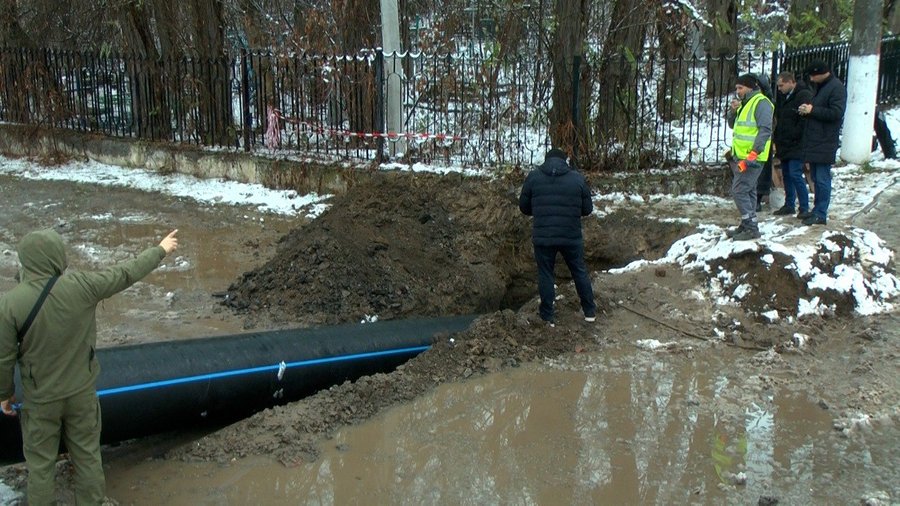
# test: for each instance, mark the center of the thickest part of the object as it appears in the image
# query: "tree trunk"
(214, 76)
(13, 44)
(618, 116)
(149, 100)
(355, 21)
(566, 127)
(673, 26)
(862, 81)
(29, 86)
(262, 69)
(796, 22)
(831, 16)
(721, 47)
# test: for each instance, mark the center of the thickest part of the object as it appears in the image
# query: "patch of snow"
(800, 340)
(771, 316)
(742, 291)
(8, 495)
(208, 191)
(654, 344)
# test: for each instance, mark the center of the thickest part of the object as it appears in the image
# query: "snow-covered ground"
(209, 191)
(865, 274)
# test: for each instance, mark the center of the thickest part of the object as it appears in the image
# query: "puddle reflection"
(650, 431)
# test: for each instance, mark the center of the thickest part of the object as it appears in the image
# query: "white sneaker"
(590, 319)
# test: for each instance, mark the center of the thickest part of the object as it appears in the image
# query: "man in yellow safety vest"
(751, 144)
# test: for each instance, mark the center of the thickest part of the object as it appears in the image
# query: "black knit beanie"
(748, 80)
(817, 67)
(556, 153)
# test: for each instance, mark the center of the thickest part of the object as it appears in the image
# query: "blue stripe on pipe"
(239, 372)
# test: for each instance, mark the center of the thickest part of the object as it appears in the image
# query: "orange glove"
(752, 156)
(742, 165)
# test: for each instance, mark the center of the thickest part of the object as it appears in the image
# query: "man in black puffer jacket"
(822, 135)
(557, 197)
(789, 126)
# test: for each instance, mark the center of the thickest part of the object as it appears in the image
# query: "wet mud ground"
(511, 412)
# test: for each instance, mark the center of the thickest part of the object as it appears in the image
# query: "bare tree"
(213, 73)
(567, 41)
(673, 27)
(146, 32)
(13, 40)
(721, 45)
(618, 75)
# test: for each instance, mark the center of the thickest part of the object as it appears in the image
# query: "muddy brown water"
(624, 426)
(593, 429)
(103, 225)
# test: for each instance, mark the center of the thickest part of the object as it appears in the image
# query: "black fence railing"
(470, 111)
(837, 56)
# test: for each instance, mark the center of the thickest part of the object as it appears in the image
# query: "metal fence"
(837, 56)
(472, 111)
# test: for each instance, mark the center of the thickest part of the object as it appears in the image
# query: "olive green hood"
(42, 255)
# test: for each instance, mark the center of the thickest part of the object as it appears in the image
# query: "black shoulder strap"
(36, 308)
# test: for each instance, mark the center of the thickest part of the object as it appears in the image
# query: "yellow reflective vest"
(746, 129)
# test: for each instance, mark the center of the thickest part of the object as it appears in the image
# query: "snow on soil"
(864, 270)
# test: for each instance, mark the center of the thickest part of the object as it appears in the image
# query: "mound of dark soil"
(423, 245)
(399, 245)
(760, 285)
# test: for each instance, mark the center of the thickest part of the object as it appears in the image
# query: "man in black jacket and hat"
(821, 137)
(788, 135)
(557, 196)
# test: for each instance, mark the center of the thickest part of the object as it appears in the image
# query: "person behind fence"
(822, 135)
(48, 326)
(557, 196)
(751, 117)
(789, 127)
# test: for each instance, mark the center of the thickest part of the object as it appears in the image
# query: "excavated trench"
(420, 246)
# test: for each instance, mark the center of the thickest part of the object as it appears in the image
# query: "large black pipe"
(150, 388)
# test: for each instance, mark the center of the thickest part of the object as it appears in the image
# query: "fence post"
(776, 65)
(245, 101)
(379, 104)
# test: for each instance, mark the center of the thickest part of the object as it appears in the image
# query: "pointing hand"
(170, 243)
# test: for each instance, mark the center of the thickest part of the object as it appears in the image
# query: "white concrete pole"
(393, 72)
(862, 82)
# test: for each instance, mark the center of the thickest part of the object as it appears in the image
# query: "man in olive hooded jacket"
(56, 358)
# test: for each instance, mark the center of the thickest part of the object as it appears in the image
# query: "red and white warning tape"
(273, 132)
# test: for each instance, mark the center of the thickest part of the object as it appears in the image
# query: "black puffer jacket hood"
(555, 167)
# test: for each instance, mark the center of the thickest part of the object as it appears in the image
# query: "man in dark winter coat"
(789, 127)
(821, 137)
(56, 358)
(558, 197)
